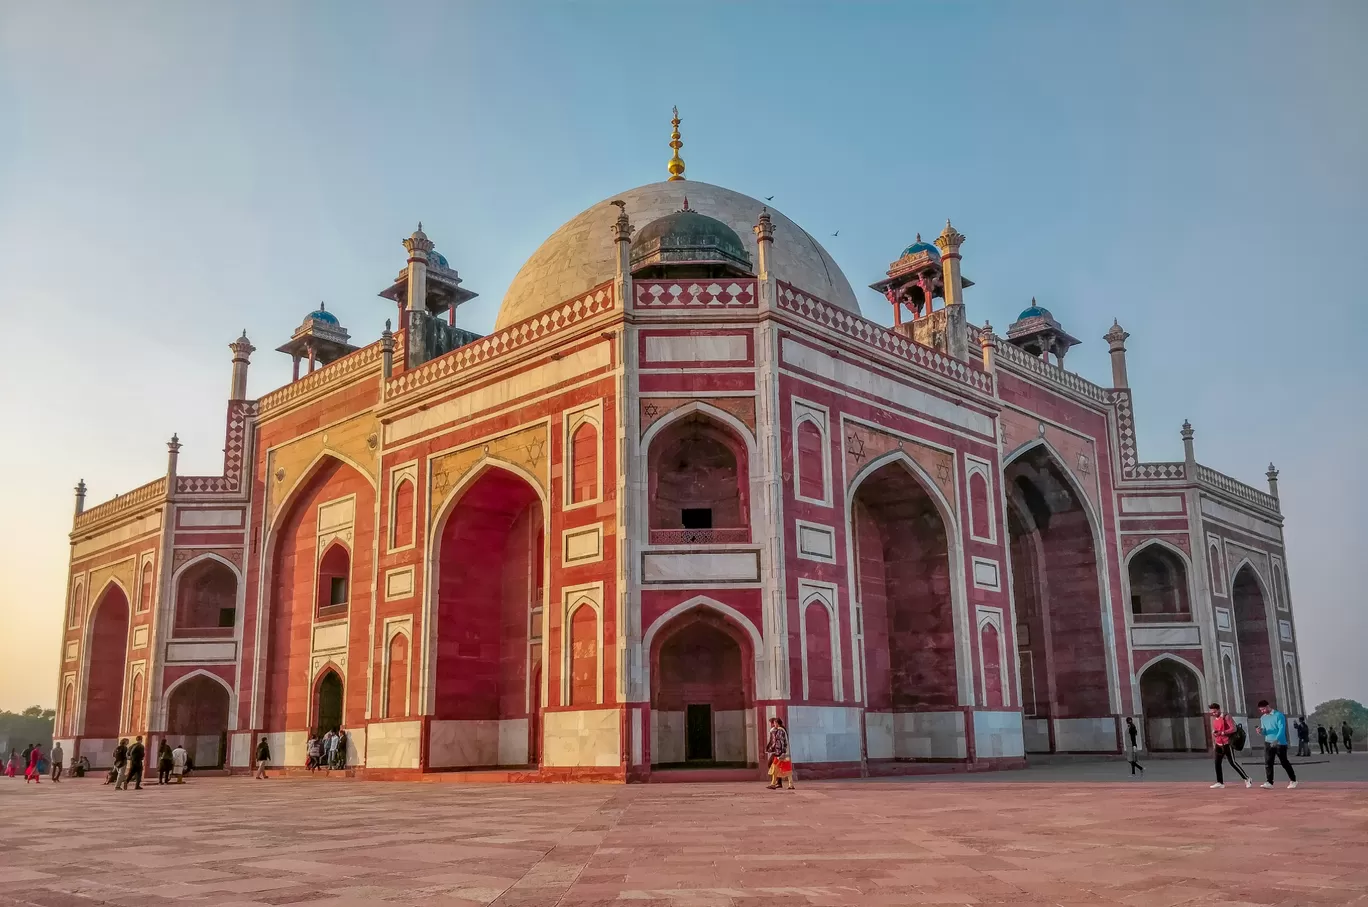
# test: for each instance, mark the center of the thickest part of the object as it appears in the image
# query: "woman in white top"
(178, 760)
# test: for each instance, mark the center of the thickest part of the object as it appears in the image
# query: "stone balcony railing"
(366, 359)
(1236, 489)
(736, 536)
(1020, 360)
(124, 503)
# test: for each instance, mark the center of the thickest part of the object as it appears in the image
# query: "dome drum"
(702, 246)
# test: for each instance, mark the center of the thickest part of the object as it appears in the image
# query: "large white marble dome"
(580, 255)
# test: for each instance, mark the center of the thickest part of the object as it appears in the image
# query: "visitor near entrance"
(34, 771)
(1273, 727)
(1303, 737)
(179, 759)
(57, 755)
(263, 758)
(1222, 731)
(164, 763)
(1133, 750)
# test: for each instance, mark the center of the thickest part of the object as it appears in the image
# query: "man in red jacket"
(1222, 728)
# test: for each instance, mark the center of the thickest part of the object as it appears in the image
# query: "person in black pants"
(1323, 739)
(137, 753)
(1222, 727)
(1347, 733)
(1133, 733)
(164, 763)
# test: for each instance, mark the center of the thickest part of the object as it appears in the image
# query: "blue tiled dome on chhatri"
(919, 247)
(1034, 311)
(438, 260)
(323, 315)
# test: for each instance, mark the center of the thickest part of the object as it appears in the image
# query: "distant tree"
(19, 729)
(1335, 712)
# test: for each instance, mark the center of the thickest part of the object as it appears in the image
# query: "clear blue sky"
(171, 173)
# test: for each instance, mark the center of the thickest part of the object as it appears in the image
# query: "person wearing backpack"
(1224, 731)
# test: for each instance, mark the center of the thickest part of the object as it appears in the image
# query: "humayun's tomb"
(681, 488)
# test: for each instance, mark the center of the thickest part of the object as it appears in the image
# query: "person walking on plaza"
(776, 745)
(1133, 733)
(164, 763)
(1222, 729)
(313, 751)
(179, 757)
(1273, 726)
(1348, 734)
(1303, 737)
(137, 756)
(263, 756)
(1323, 739)
(120, 760)
(12, 764)
(1334, 741)
(24, 760)
(57, 755)
(35, 763)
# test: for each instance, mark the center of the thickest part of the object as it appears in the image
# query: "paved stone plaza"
(1060, 834)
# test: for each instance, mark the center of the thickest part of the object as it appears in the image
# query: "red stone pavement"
(1058, 840)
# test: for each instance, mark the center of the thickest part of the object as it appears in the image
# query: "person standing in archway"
(1222, 729)
(1133, 733)
(1273, 726)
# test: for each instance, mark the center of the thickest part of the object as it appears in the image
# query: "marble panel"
(929, 735)
(200, 651)
(998, 735)
(589, 737)
(330, 637)
(239, 750)
(667, 737)
(210, 519)
(288, 748)
(700, 567)
(1084, 735)
(729, 735)
(1152, 504)
(462, 744)
(824, 733)
(513, 741)
(1189, 637)
(394, 744)
(879, 735)
(1036, 733)
(100, 751)
(696, 348)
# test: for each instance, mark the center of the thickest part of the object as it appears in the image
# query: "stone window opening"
(698, 484)
(1158, 586)
(334, 572)
(206, 599)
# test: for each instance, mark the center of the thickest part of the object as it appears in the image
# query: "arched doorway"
(903, 589)
(1061, 643)
(1251, 636)
(328, 703)
(702, 692)
(206, 599)
(1158, 585)
(332, 501)
(1171, 697)
(197, 718)
(490, 578)
(108, 657)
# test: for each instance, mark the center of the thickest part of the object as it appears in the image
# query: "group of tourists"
(1329, 740)
(326, 752)
(1229, 737)
(129, 762)
(34, 763)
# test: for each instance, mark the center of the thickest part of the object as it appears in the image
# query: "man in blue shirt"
(1273, 726)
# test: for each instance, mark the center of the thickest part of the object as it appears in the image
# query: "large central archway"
(197, 717)
(702, 691)
(490, 581)
(1063, 647)
(108, 657)
(1251, 635)
(1171, 695)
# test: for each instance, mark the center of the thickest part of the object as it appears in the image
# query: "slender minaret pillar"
(80, 496)
(1189, 455)
(418, 246)
(986, 341)
(242, 352)
(387, 349)
(949, 243)
(1272, 480)
(172, 455)
(764, 239)
(1116, 343)
(622, 235)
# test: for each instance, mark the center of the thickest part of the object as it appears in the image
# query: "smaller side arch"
(1172, 706)
(1184, 609)
(726, 611)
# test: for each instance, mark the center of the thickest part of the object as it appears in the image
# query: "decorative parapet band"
(1018, 360)
(695, 295)
(529, 330)
(343, 371)
(794, 300)
(1236, 489)
(124, 503)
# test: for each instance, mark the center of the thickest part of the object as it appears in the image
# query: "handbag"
(785, 765)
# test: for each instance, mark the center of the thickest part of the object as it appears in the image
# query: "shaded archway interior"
(206, 599)
(698, 478)
(904, 592)
(1158, 585)
(702, 691)
(197, 718)
(1061, 642)
(489, 615)
(1171, 699)
(1252, 641)
(328, 703)
(108, 657)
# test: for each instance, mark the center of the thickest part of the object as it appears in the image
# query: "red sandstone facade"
(612, 538)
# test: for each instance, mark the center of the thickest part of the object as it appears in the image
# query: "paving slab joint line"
(610, 806)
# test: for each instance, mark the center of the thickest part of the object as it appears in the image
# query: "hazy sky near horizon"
(172, 173)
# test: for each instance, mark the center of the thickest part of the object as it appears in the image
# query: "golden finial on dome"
(676, 165)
